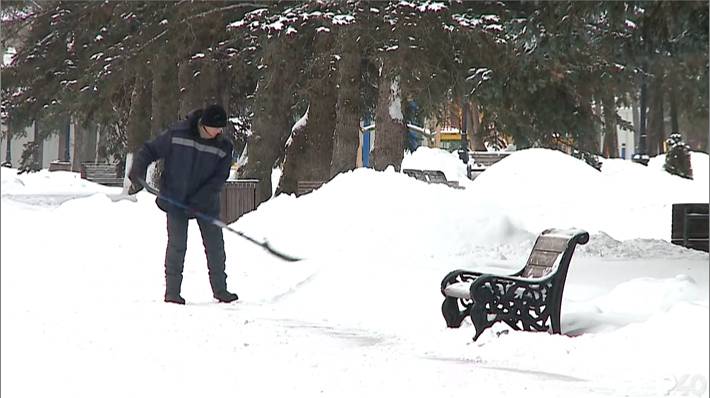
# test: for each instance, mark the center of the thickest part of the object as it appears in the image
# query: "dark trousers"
(213, 241)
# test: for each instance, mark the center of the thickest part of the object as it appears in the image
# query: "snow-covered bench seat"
(529, 299)
(102, 173)
(431, 177)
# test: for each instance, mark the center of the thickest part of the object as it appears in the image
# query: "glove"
(135, 176)
(135, 188)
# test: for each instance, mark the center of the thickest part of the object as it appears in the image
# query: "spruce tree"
(678, 157)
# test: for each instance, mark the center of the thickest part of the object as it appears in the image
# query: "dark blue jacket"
(195, 168)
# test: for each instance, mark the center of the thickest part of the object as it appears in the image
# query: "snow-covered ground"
(82, 284)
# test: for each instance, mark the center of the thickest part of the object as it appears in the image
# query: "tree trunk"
(309, 155)
(475, 135)
(643, 130)
(137, 131)
(200, 80)
(8, 142)
(673, 102)
(64, 136)
(165, 90)
(272, 109)
(587, 142)
(599, 135)
(210, 83)
(347, 122)
(611, 144)
(102, 153)
(165, 95)
(390, 129)
(190, 97)
(188, 75)
(656, 135)
(76, 151)
(84, 145)
(39, 152)
(293, 166)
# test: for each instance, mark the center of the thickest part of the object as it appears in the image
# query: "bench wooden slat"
(542, 258)
(418, 174)
(435, 176)
(536, 271)
(488, 159)
(551, 243)
(304, 187)
(102, 173)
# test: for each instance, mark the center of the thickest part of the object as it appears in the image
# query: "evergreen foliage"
(534, 71)
(678, 157)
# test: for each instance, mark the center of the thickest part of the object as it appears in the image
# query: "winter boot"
(225, 296)
(174, 298)
(172, 289)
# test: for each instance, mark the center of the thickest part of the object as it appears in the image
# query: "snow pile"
(436, 159)
(510, 203)
(392, 212)
(44, 182)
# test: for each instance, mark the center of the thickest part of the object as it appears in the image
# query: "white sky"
(82, 284)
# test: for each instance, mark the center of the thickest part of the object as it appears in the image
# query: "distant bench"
(304, 187)
(102, 173)
(482, 160)
(431, 177)
(525, 300)
(59, 165)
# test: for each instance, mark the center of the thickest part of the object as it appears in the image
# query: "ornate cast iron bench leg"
(452, 314)
(456, 307)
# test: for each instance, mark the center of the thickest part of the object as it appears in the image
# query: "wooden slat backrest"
(487, 159)
(435, 176)
(304, 187)
(418, 174)
(100, 170)
(545, 256)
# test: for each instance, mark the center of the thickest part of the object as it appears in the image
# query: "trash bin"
(238, 197)
(689, 225)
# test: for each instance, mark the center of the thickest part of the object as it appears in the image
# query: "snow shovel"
(217, 222)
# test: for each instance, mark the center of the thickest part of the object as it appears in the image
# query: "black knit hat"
(214, 116)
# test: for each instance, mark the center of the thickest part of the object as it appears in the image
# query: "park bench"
(526, 300)
(59, 165)
(481, 160)
(431, 177)
(102, 173)
(305, 187)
